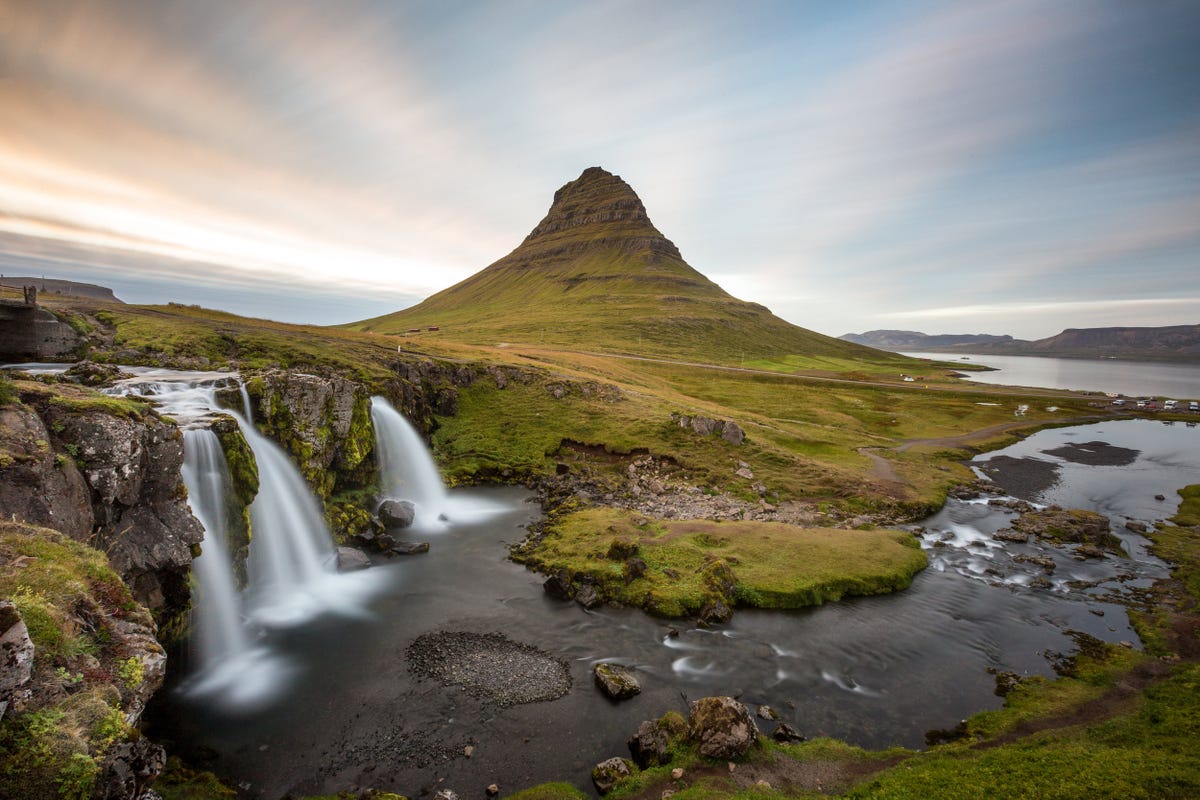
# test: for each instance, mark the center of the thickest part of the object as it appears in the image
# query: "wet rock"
(721, 727)
(1044, 562)
(586, 596)
(649, 746)
(1089, 551)
(559, 586)
(715, 610)
(616, 681)
(396, 513)
(409, 548)
(1160, 497)
(1068, 525)
(1009, 535)
(1006, 681)
(766, 712)
(350, 560)
(606, 774)
(129, 769)
(1135, 526)
(16, 653)
(787, 734)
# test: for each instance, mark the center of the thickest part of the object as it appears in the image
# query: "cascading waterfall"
(292, 562)
(217, 619)
(406, 469)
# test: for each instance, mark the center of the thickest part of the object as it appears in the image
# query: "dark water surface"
(874, 671)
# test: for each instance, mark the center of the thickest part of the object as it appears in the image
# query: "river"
(874, 671)
(1130, 378)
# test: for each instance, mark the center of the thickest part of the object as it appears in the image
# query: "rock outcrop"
(80, 675)
(105, 472)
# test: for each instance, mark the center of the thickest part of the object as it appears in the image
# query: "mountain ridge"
(1165, 342)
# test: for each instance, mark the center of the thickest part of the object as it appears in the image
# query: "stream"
(876, 671)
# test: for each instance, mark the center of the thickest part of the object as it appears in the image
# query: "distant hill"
(914, 340)
(595, 274)
(1168, 343)
(60, 287)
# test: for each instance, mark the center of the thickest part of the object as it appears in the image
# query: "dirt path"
(965, 440)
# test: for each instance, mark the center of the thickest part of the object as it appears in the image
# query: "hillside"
(1166, 343)
(596, 274)
(915, 340)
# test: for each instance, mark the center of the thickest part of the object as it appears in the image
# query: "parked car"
(1170, 405)
(1118, 402)
(1193, 406)
(1141, 403)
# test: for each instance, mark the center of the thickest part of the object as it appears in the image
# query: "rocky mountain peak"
(601, 201)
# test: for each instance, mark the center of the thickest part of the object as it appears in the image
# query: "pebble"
(677, 773)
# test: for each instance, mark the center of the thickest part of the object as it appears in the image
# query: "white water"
(217, 616)
(406, 469)
(292, 564)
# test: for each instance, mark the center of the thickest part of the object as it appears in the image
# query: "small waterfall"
(218, 624)
(406, 469)
(291, 546)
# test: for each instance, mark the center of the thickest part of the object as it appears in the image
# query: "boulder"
(616, 681)
(721, 728)
(396, 513)
(633, 569)
(767, 713)
(350, 560)
(731, 433)
(409, 548)
(1135, 526)
(587, 597)
(559, 586)
(606, 774)
(1009, 535)
(649, 745)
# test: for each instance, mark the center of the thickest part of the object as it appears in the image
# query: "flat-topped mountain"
(596, 274)
(91, 291)
(915, 340)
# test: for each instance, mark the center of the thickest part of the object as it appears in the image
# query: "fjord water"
(875, 671)
(1130, 378)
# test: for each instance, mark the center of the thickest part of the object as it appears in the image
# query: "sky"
(980, 167)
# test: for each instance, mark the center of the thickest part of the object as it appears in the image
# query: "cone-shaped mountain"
(595, 274)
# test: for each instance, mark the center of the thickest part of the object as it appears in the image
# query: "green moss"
(179, 782)
(116, 406)
(548, 791)
(8, 392)
(690, 563)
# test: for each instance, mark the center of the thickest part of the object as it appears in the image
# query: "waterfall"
(406, 469)
(217, 620)
(291, 546)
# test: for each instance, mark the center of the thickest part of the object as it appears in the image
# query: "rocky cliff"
(105, 472)
(80, 661)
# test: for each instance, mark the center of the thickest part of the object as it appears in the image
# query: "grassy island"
(676, 567)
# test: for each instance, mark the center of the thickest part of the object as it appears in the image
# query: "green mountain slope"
(596, 274)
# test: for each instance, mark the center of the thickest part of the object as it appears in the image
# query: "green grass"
(1149, 753)
(773, 565)
(66, 594)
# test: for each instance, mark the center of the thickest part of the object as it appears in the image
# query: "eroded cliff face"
(107, 473)
(80, 662)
